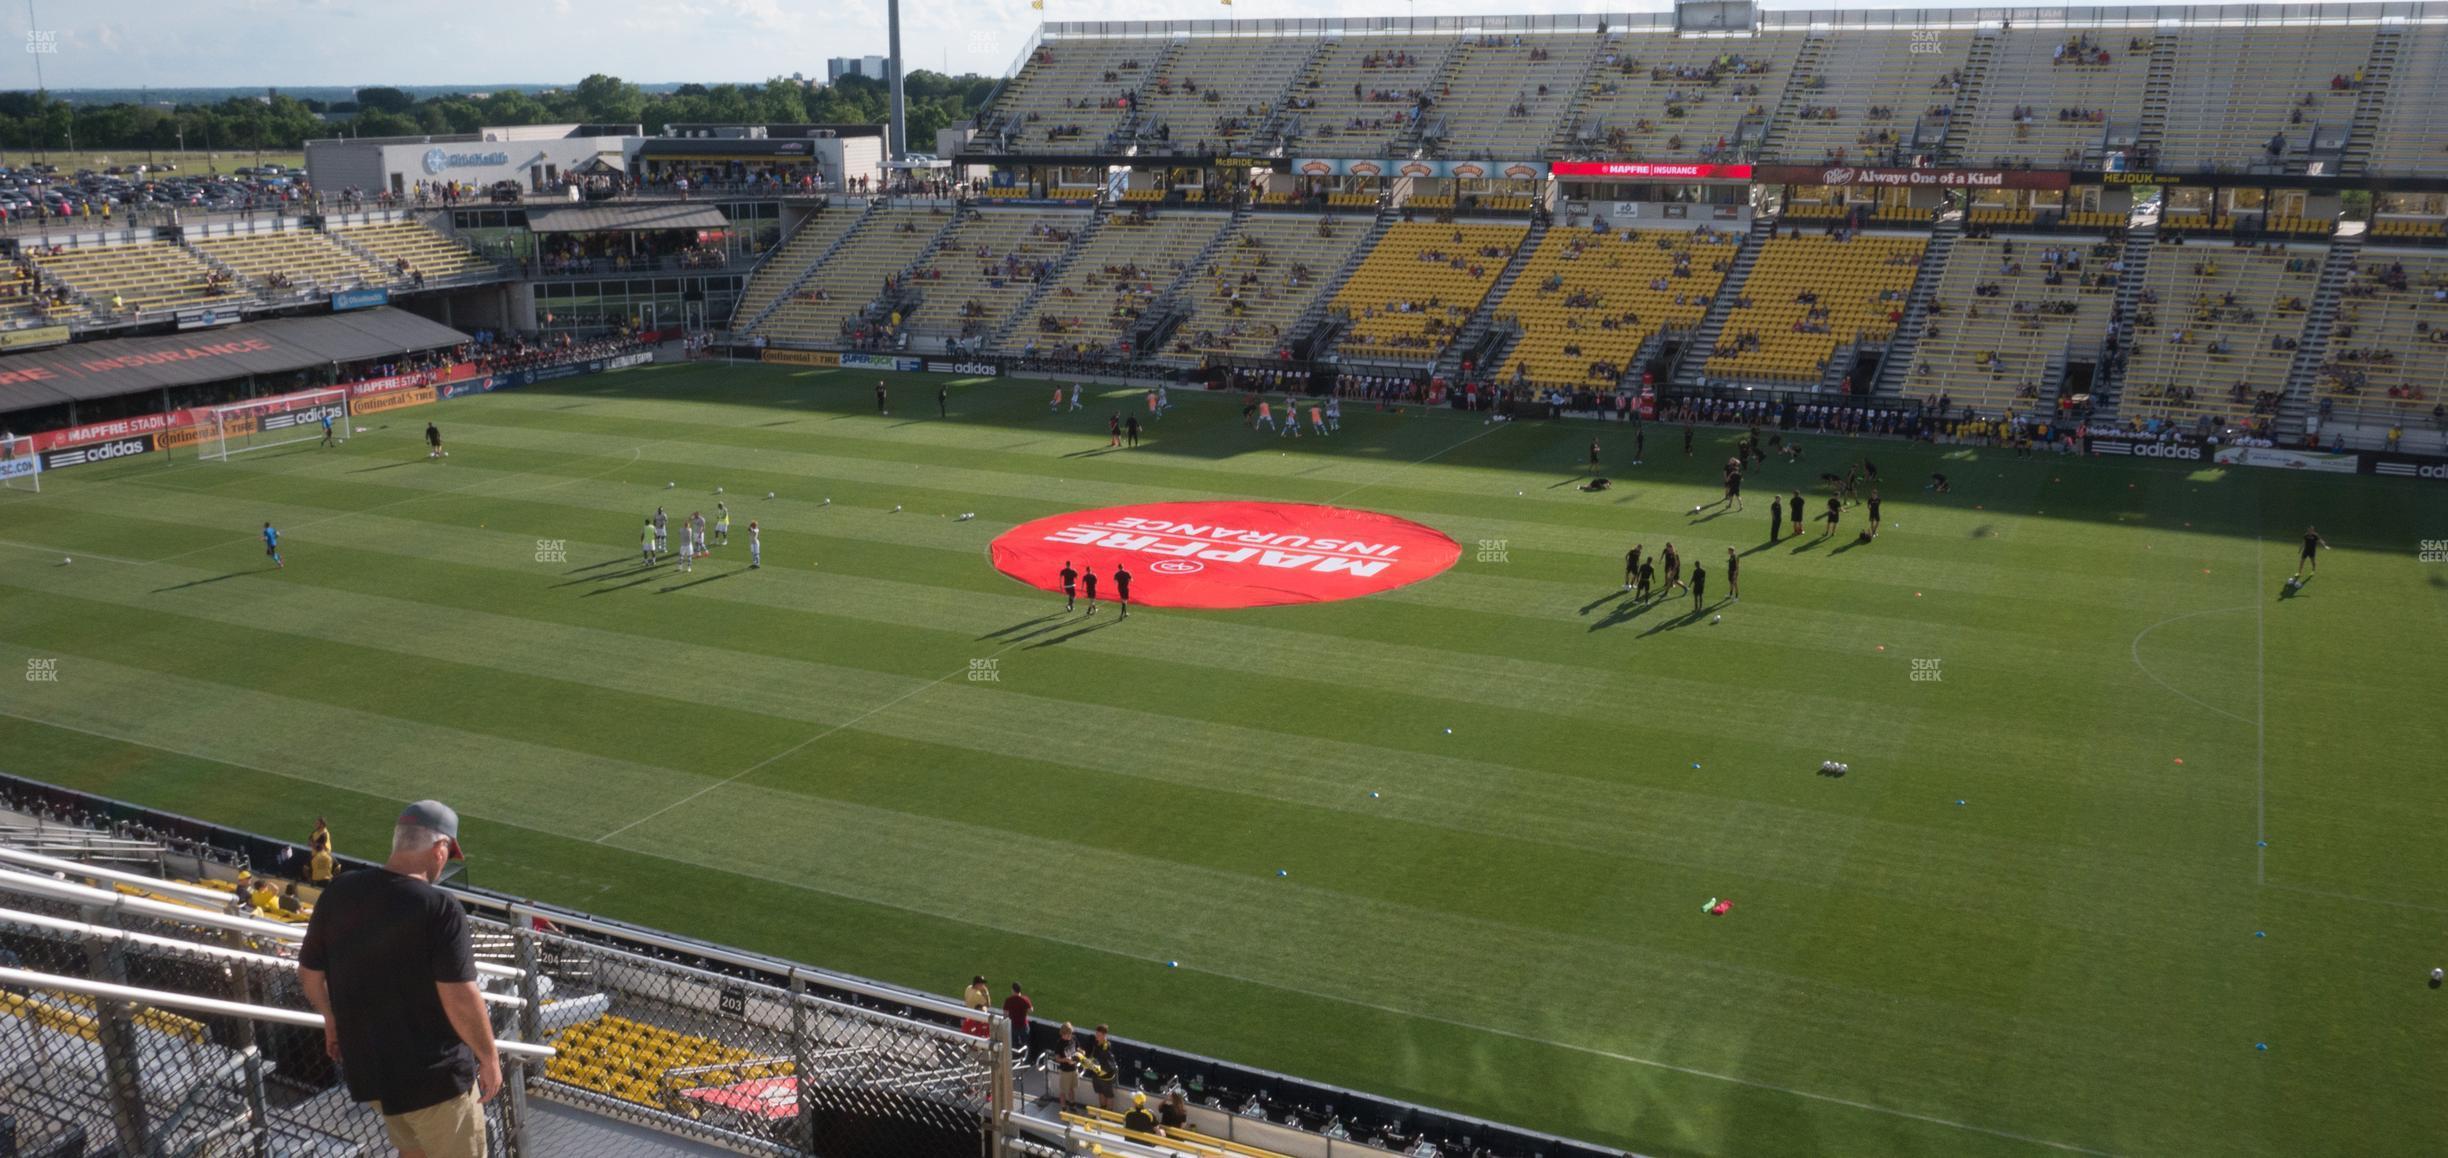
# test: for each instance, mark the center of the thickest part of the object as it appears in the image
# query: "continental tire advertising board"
(191, 432)
(394, 400)
(825, 358)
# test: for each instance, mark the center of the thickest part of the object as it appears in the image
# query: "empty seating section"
(1071, 95)
(1875, 97)
(1504, 94)
(1996, 321)
(2388, 352)
(1362, 95)
(1260, 280)
(626, 1059)
(1587, 301)
(1807, 295)
(2208, 322)
(2048, 97)
(1416, 288)
(2238, 91)
(406, 248)
(303, 258)
(2412, 136)
(144, 277)
(1116, 275)
(783, 267)
(1217, 90)
(989, 263)
(884, 243)
(1672, 98)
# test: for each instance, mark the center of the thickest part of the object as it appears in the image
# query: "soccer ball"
(64, 561)
(718, 490)
(769, 494)
(1695, 508)
(1717, 619)
(670, 485)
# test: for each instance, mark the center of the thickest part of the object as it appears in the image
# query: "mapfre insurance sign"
(1229, 554)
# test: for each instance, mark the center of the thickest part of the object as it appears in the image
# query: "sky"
(250, 43)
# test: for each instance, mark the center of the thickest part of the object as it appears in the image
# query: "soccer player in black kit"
(1776, 519)
(1070, 580)
(2310, 557)
(1631, 566)
(1674, 569)
(1699, 586)
(1122, 578)
(1835, 514)
(1872, 532)
(880, 398)
(1088, 580)
(1648, 580)
(1795, 515)
(1687, 440)
(1733, 488)
(1733, 575)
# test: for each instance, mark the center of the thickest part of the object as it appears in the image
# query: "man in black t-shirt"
(1733, 575)
(1699, 586)
(1138, 1120)
(2311, 548)
(387, 963)
(1070, 582)
(1122, 578)
(1872, 532)
(1631, 566)
(1089, 579)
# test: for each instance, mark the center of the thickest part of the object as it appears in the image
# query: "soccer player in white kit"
(756, 547)
(1334, 413)
(696, 526)
(660, 531)
(1291, 426)
(1075, 396)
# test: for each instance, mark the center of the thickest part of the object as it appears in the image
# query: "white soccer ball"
(66, 561)
(896, 508)
(670, 485)
(1695, 508)
(1717, 619)
(769, 494)
(718, 490)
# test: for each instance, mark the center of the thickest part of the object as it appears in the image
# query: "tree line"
(34, 121)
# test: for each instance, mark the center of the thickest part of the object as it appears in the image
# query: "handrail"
(60, 864)
(167, 1000)
(200, 948)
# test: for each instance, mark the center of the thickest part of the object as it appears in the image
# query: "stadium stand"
(1117, 274)
(2388, 348)
(1261, 277)
(125, 279)
(26, 301)
(1216, 93)
(1671, 98)
(2048, 99)
(1807, 295)
(1870, 97)
(2215, 335)
(1411, 294)
(409, 249)
(1506, 94)
(1586, 302)
(1361, 96)
(1997, 323)
(1071, 97)
(791, 260)
(284, 262)
(2409, 136)
(985, 266)
(881, 246)
(2253, 99)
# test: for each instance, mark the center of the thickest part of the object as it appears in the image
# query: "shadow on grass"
(1627, 611)
(1100, 625)
(214, 579)
(695, 583)
(640, 569)
(1003, 631)
(385, 466)
(598, 566)
(644, 575)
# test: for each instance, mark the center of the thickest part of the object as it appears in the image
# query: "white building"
(532, 156)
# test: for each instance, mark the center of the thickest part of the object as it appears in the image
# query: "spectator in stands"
(1098, 1059)
(262, 897)
(1139, 1120)
(1174, 1115)
(290, 902)
(388, 964)
(976, 998)
(1067, 1064)
(1017, 1007)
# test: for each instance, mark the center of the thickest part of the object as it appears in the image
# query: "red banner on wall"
(1653, 170)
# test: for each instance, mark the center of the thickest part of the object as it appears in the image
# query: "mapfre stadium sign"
(1229, 554)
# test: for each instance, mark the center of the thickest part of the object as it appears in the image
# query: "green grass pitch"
(2026, 921)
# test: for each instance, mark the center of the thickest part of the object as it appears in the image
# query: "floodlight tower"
(896, 142)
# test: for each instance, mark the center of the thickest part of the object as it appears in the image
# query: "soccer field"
(2122, 808)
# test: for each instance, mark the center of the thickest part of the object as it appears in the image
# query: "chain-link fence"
(741, 1059)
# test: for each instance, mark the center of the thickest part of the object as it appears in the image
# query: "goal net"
(20, 467)
(268, 422)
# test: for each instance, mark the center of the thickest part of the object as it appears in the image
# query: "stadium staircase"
(910, 297)
(1895, 366)
(2140, 240)
(1169, 310)
(1126, 136)
(1421, 138)
(1315, 325)
(1027, 308)
(1283, 118)
(2155, 92)
(2320, 322)
(1968, 97)
(2388, 45)
(1569, 134)
(1475, 329)
(1687, 367)
(867, 216)
(1797, 93)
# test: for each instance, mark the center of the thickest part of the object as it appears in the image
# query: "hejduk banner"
(1909, 178)
(2271, 456)
(881, 362)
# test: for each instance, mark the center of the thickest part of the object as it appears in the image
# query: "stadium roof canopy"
(126, 365)
(625, 218)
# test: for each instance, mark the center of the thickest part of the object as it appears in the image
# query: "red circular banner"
(1228, 554)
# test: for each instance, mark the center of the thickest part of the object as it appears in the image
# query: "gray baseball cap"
(437, 816)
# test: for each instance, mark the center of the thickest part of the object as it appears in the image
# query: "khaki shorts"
(453, 1129)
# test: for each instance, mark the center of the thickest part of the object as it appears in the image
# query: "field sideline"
(2025, 922)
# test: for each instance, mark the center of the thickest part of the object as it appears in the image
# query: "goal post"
(221, 431)
(20, 466)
